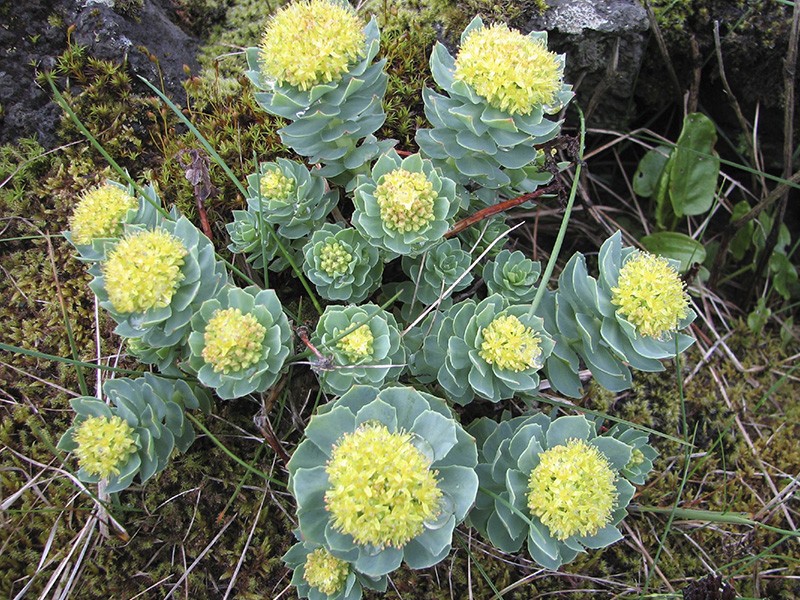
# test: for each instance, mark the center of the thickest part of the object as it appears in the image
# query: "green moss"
(456, 14)
(679, 16)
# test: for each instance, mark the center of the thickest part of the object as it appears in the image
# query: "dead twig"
(197, 174)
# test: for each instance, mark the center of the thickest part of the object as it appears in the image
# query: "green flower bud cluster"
(631, 316)
(135, 434)
(513, 276)
(405, 206)
(285, 193)
(342, 264)
(362, 345)
(555, 485)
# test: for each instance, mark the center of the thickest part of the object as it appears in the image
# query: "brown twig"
(489, 211)
(264, 426)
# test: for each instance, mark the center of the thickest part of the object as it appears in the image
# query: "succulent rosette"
(643, 455)
(513, 276)
(239, 341)
(556, 485)
(319, 575)
(101, 213)
(437, 269)
(405, 206)
(370, 352)
(152, 281)
(484, 348)
(631, 316)
(315, 68)
(479, 237)
(165, 358)
(342, 264)
(245, 233)
(383, 477)
(498, 89)
(288, 195)
(136, 434)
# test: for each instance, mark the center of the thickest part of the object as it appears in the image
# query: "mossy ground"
(206, 526)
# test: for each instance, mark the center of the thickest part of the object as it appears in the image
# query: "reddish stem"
(201, 211)
(489, 211)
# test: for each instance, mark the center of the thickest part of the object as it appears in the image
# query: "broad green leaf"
(649, 171)
(695, 167)
(785, 275)
(664, 211)
(678, 246)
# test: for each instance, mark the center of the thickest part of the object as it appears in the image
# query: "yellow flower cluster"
(144, 270)
(382, 489)
(233, 341)
(99, 213)
(357, 344)
(405, 200)
(511, 71)
(275, 185)
(325, 572)
(334, 259)
(572, 490)
(650, 295)
(104, 445)
(313, 42)
(509, 345)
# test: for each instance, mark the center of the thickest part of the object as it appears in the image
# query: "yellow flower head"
(650, 295)
(144, 270)
(232, 340)
(311, 42)
(334, 259)
(572, 490)
(99, 213)
(405, 200)
(511, 71)
(104, 445)
(509, 345)
(357, 344)
(275, 185)
(325, 572)
(382, 489)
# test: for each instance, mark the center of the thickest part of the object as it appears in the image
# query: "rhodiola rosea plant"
(386, 469)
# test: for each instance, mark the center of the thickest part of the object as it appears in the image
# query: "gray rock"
(111, 36)
(29, 44)
(605, 42)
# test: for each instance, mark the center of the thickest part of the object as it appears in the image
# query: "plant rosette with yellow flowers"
(383, 477)
(239, 341)
(152, 281)
(556, 485)
(319, 575)
(633, 315)
(135, 434)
